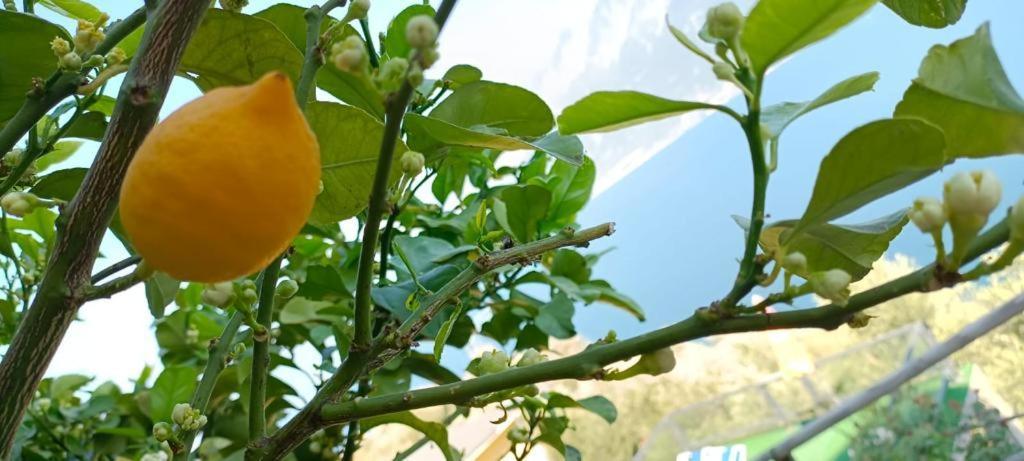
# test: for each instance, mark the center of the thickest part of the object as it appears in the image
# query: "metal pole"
(971, 332)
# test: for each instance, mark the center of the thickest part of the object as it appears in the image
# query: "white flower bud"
(357, 10)
(490, 362)
(162, 431)
(60, 46)
(795, 261)
(531, 357)
(928, 214)
(421, 31)
(218, 294)
(412, 163)
(70, 62)
(19, 203)
(116, 56)
(350, 60)
(724, 71)
(286, 289)
(833, 285)
(180, 412)
(724, 21)
(977, 193)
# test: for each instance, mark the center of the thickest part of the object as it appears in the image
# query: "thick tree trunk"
(83, 223)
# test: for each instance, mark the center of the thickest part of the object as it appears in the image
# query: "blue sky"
(670, 186)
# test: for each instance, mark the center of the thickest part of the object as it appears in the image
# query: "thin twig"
(115, 268)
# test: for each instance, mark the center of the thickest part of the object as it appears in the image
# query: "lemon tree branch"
(590, 363)
(82, 224)
(60, 85)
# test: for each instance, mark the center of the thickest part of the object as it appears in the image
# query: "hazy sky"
(676, 243)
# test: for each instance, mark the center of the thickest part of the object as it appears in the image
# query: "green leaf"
(428, 134)
(778, 116)
(935, 14)
(342, 85)
(852, 248)
(446, 330)
(299, 310)
(515, 110)
(90, 125)
(174, 385)
(461, 74)
(323, 282)
(963, 89)
(63, 387)
(160, 292)
(436, 432)
(235, 49)
(395, 44)
(422, 251)
(775, 29)
(290, 20)
(62, 150)
(571, 193)
(870, 162)
(570, 264)
(520, 210)
(598, 405)
(555, 317)
(74, 9)
(425, 366)
(25, 55)
(349, 147)
(600, 290)
(61, 184)
(611, 110)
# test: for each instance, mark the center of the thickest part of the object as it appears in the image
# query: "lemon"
(221, 186)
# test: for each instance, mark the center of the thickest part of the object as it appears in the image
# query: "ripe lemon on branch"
(221, 186)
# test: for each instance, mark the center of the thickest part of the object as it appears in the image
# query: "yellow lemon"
(220, 187)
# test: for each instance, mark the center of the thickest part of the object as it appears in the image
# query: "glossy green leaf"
(570, 264)
(555, 317)
(235, 49)
(395, 44)
(424, 366)
(436, 432)
(61, 184)
(63, 387)
(870, 162)
(174, 385)
(428, 134)
(323, 282)
(598, 405)
(423, 252)
(775, 29)
(62, 150)
(512, 110)
(446, 331)
(90, 125)
(299, 310)
(571, 192)
(160, 292)
(342, 85)
(602, 291)
(349, 147)
(520, 209)
(74, 9)
(778, 116)
(933, 13)
(963, 89)
(31, 58)
(611, 110)
(852, 248)
(461, 74)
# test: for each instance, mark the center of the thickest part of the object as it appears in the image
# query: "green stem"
(113, 287)
(589, 363)
(746, 279)
(364, 24)
(115, 268)
(214, 365)
(261, 352)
